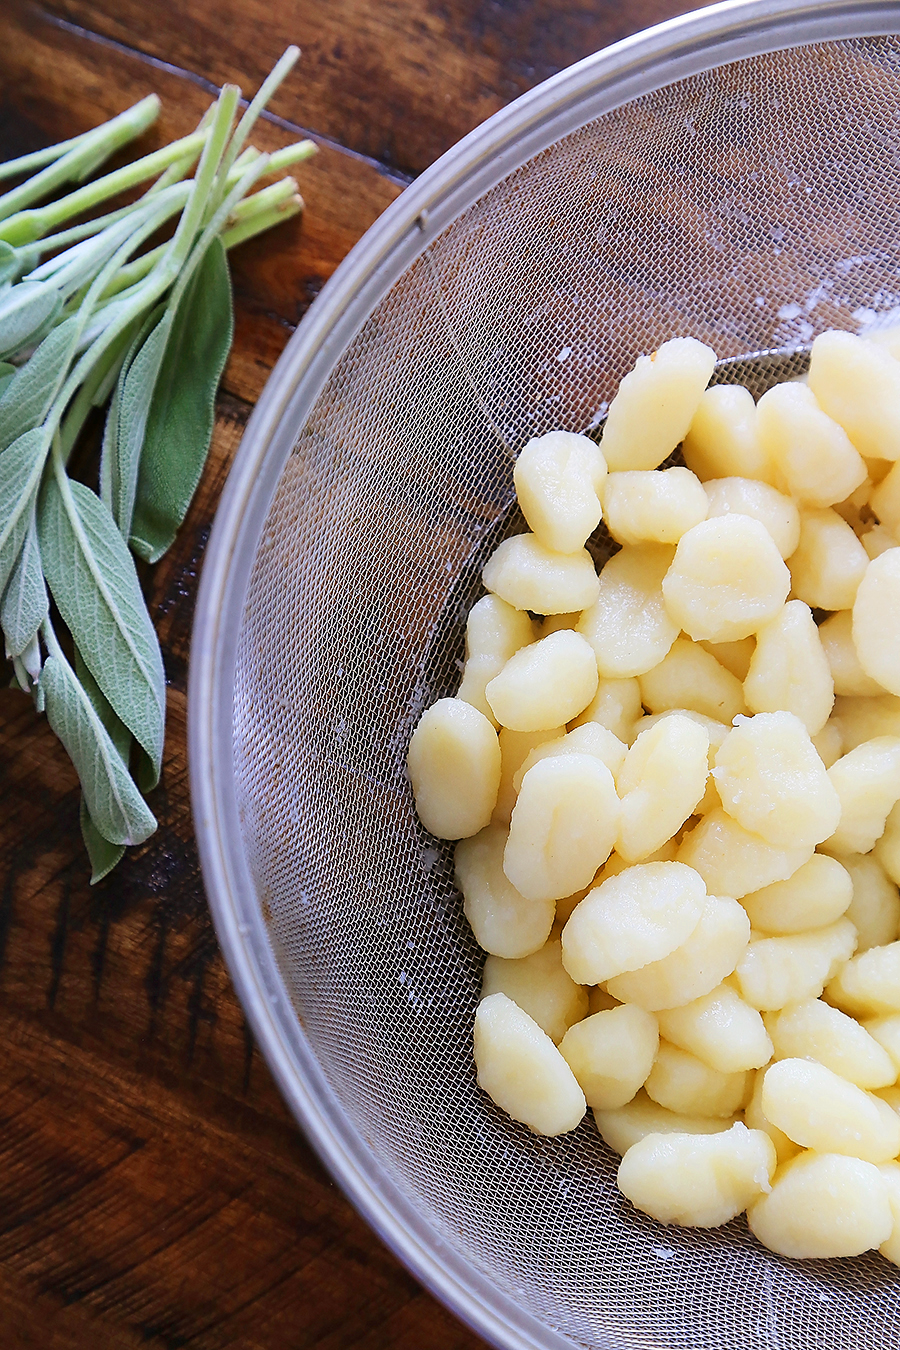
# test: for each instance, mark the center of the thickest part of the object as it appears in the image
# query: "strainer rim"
(642, 63)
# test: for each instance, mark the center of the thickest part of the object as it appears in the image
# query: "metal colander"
(734, 175)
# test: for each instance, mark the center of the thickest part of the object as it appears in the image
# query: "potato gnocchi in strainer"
(675, 788)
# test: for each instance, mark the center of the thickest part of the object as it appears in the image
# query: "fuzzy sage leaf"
(103, 855)
(26, 400)
(134, 408)
(114, 803)
(25, 602)
(88, 312)
(21, 465)
(180, 421)
(94, 583)
(25, 310)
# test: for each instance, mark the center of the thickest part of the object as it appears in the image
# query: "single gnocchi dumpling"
(655, 404)
(522, 1071)
(590, 739)
(829, 562)
(858, 384)
(454, 767)
(545, 684)
(887, 849)
(528, 575)
(697, 966)
(789, 670)
(723, 438)
(813, 457)
(555, 623)
(886, 1031)
(559, 479)
(494, 632)
(885, 501)
(814, 1030)
(749, 497)
(819, 1109)
(638, 916)
(829, 743)
(734, 656)
(616, 706)
(624, 1126)
(823, 1205)
(876, 620)
(891, 1247)
(867, 781)
(716, 731)
(611, 1053)
(689, 677)
(653, 506)
(719, 1028)
(540, 986)
(628, 626)
(726, 580)
(875, 908)
(756, 1120)
(776, 971)
(563, 827)
(683, 1083)
(698, 1181)
(733, 861)
(503, 921)
(864, 719)
(816, 895)
(661, 780)
(515, 747)
(850, 680)
(772, 782)
(868, 985)
(877, 540)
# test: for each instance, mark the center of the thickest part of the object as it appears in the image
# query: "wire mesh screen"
(751, 207)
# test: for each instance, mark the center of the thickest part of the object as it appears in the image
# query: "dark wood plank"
(399, 80)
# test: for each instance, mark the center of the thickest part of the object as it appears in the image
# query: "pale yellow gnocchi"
(691, 914)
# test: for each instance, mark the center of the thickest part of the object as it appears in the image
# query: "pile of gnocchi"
(676, 791)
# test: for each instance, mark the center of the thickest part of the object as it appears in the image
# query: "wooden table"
(155, 1191)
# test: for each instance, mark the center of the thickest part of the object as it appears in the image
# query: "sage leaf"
(31, 658)
(114, 803)
(146, 773)
(25, 310)
(118, 732)
(93, 580)
(180, 423)
(109, 455)
(134, 406)
(25, 602)
(26, 399)
(10, 262)
(21, 679)
(21, 465)
(103, 855)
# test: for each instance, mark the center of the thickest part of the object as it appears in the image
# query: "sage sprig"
(92, 316)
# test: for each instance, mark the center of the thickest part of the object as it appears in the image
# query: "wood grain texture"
(153, 1189)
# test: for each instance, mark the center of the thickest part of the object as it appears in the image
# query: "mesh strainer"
(733, 175)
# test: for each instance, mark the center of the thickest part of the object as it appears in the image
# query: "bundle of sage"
(146, 332)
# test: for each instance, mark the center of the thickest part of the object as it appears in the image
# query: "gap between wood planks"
(56, 21)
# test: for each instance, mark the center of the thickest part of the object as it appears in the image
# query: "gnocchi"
(675, 795)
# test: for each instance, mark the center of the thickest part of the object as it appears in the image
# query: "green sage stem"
(102, 141)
